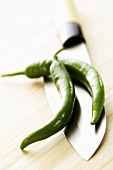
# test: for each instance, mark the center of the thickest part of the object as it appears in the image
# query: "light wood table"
(27, 34)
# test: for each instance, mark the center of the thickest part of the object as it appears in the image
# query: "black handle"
(70, 34)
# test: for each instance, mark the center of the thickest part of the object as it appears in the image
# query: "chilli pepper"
(79, 70)
(65, 87)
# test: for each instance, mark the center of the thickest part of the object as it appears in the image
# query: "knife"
(84, 137)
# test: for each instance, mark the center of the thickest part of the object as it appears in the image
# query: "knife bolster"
(70, 34)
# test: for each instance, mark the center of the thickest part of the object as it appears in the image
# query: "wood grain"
(27, 34)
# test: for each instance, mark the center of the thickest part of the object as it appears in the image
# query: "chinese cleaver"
(84, 137)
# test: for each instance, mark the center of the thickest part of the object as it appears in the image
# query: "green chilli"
(78, 70)
(65, 87)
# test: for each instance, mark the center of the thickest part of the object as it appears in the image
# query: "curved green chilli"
(65, 87)
(79, 70)
(88, 75)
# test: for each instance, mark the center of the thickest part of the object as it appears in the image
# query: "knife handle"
(67, 22)
(65, 12)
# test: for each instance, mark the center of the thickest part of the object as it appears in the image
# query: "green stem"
(13, 74)
(64, 48)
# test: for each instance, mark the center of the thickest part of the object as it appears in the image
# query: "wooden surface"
(28, 33)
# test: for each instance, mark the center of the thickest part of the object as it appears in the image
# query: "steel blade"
(83, 136)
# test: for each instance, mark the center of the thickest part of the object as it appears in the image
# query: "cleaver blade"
(84, 137)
